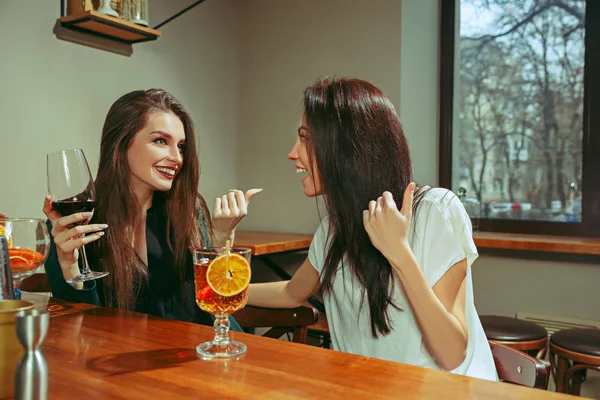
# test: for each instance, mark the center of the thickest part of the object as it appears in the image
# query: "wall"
(55, 94)
(286, 46)
(418, 85)
(546, 284)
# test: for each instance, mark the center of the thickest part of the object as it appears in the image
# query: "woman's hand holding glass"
(69, 235)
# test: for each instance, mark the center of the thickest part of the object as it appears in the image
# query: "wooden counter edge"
(543, 243)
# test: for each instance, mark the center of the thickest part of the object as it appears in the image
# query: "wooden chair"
(36, 283)
(516, 367)
(282, 320)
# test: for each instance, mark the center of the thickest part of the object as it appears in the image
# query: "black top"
(160, 295)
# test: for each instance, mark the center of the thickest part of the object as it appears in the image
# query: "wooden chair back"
(282, 320)
(516, 367)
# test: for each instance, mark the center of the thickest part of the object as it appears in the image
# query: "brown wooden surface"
(108, 353)
(263, 243)
(280, 320)
(110, 26)
(553, 244)
(259, 317)
(56, 307)
(519, 368)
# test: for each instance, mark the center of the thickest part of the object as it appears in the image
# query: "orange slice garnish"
(228, 277)
(22, 255)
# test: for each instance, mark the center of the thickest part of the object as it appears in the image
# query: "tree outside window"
(517, 112)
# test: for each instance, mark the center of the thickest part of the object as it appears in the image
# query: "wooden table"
(95, 352)
(544, 243)
(266, 243)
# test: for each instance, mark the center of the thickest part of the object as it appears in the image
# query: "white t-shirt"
(440, 236)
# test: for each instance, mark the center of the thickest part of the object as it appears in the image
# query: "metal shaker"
(7, 290)
(31, 374)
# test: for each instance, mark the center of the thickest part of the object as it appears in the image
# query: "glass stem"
(85, 269)
(221, 330)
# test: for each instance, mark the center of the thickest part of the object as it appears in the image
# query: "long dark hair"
(360, 151)
(125, 118)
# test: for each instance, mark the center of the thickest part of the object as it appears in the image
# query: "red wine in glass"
(71, 186)
(73, 205)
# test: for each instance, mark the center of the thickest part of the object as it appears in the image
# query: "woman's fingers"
(217, 208)
(77, 231)
(366, 217)
(234, 204)
(74, 244)
(225, 206)
(251, 193)
(234, 208)
(241, 201)
(64, 223)
(407, 203)
(49, 211)
(388, 200)
(372, 205)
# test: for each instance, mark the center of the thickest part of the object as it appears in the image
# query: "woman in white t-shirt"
(393, 264)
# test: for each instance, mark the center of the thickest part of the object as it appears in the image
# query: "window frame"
(590, 185)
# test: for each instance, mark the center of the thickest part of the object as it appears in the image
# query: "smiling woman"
(148, 214)
(394, 275)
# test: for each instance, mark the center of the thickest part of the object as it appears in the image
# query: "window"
(520, 113)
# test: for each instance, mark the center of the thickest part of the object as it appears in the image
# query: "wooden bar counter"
(266, 243)
(96, 352)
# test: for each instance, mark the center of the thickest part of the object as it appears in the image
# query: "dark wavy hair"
(117, 205)
(360, 150)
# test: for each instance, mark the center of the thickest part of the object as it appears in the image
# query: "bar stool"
(572, 353)
(525, 336)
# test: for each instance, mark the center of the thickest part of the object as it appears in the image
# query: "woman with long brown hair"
(148, 214)
(394, 273)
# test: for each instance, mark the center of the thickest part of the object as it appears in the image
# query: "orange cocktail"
(24, 261)
(221, 278)
(28, 245)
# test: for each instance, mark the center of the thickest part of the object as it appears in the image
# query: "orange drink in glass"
(28, 245)
(221, 279)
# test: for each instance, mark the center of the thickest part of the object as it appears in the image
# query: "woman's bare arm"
(286, 294)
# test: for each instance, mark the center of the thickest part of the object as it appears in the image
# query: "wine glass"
(221, 278)
(28, 246)
(71, 187)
